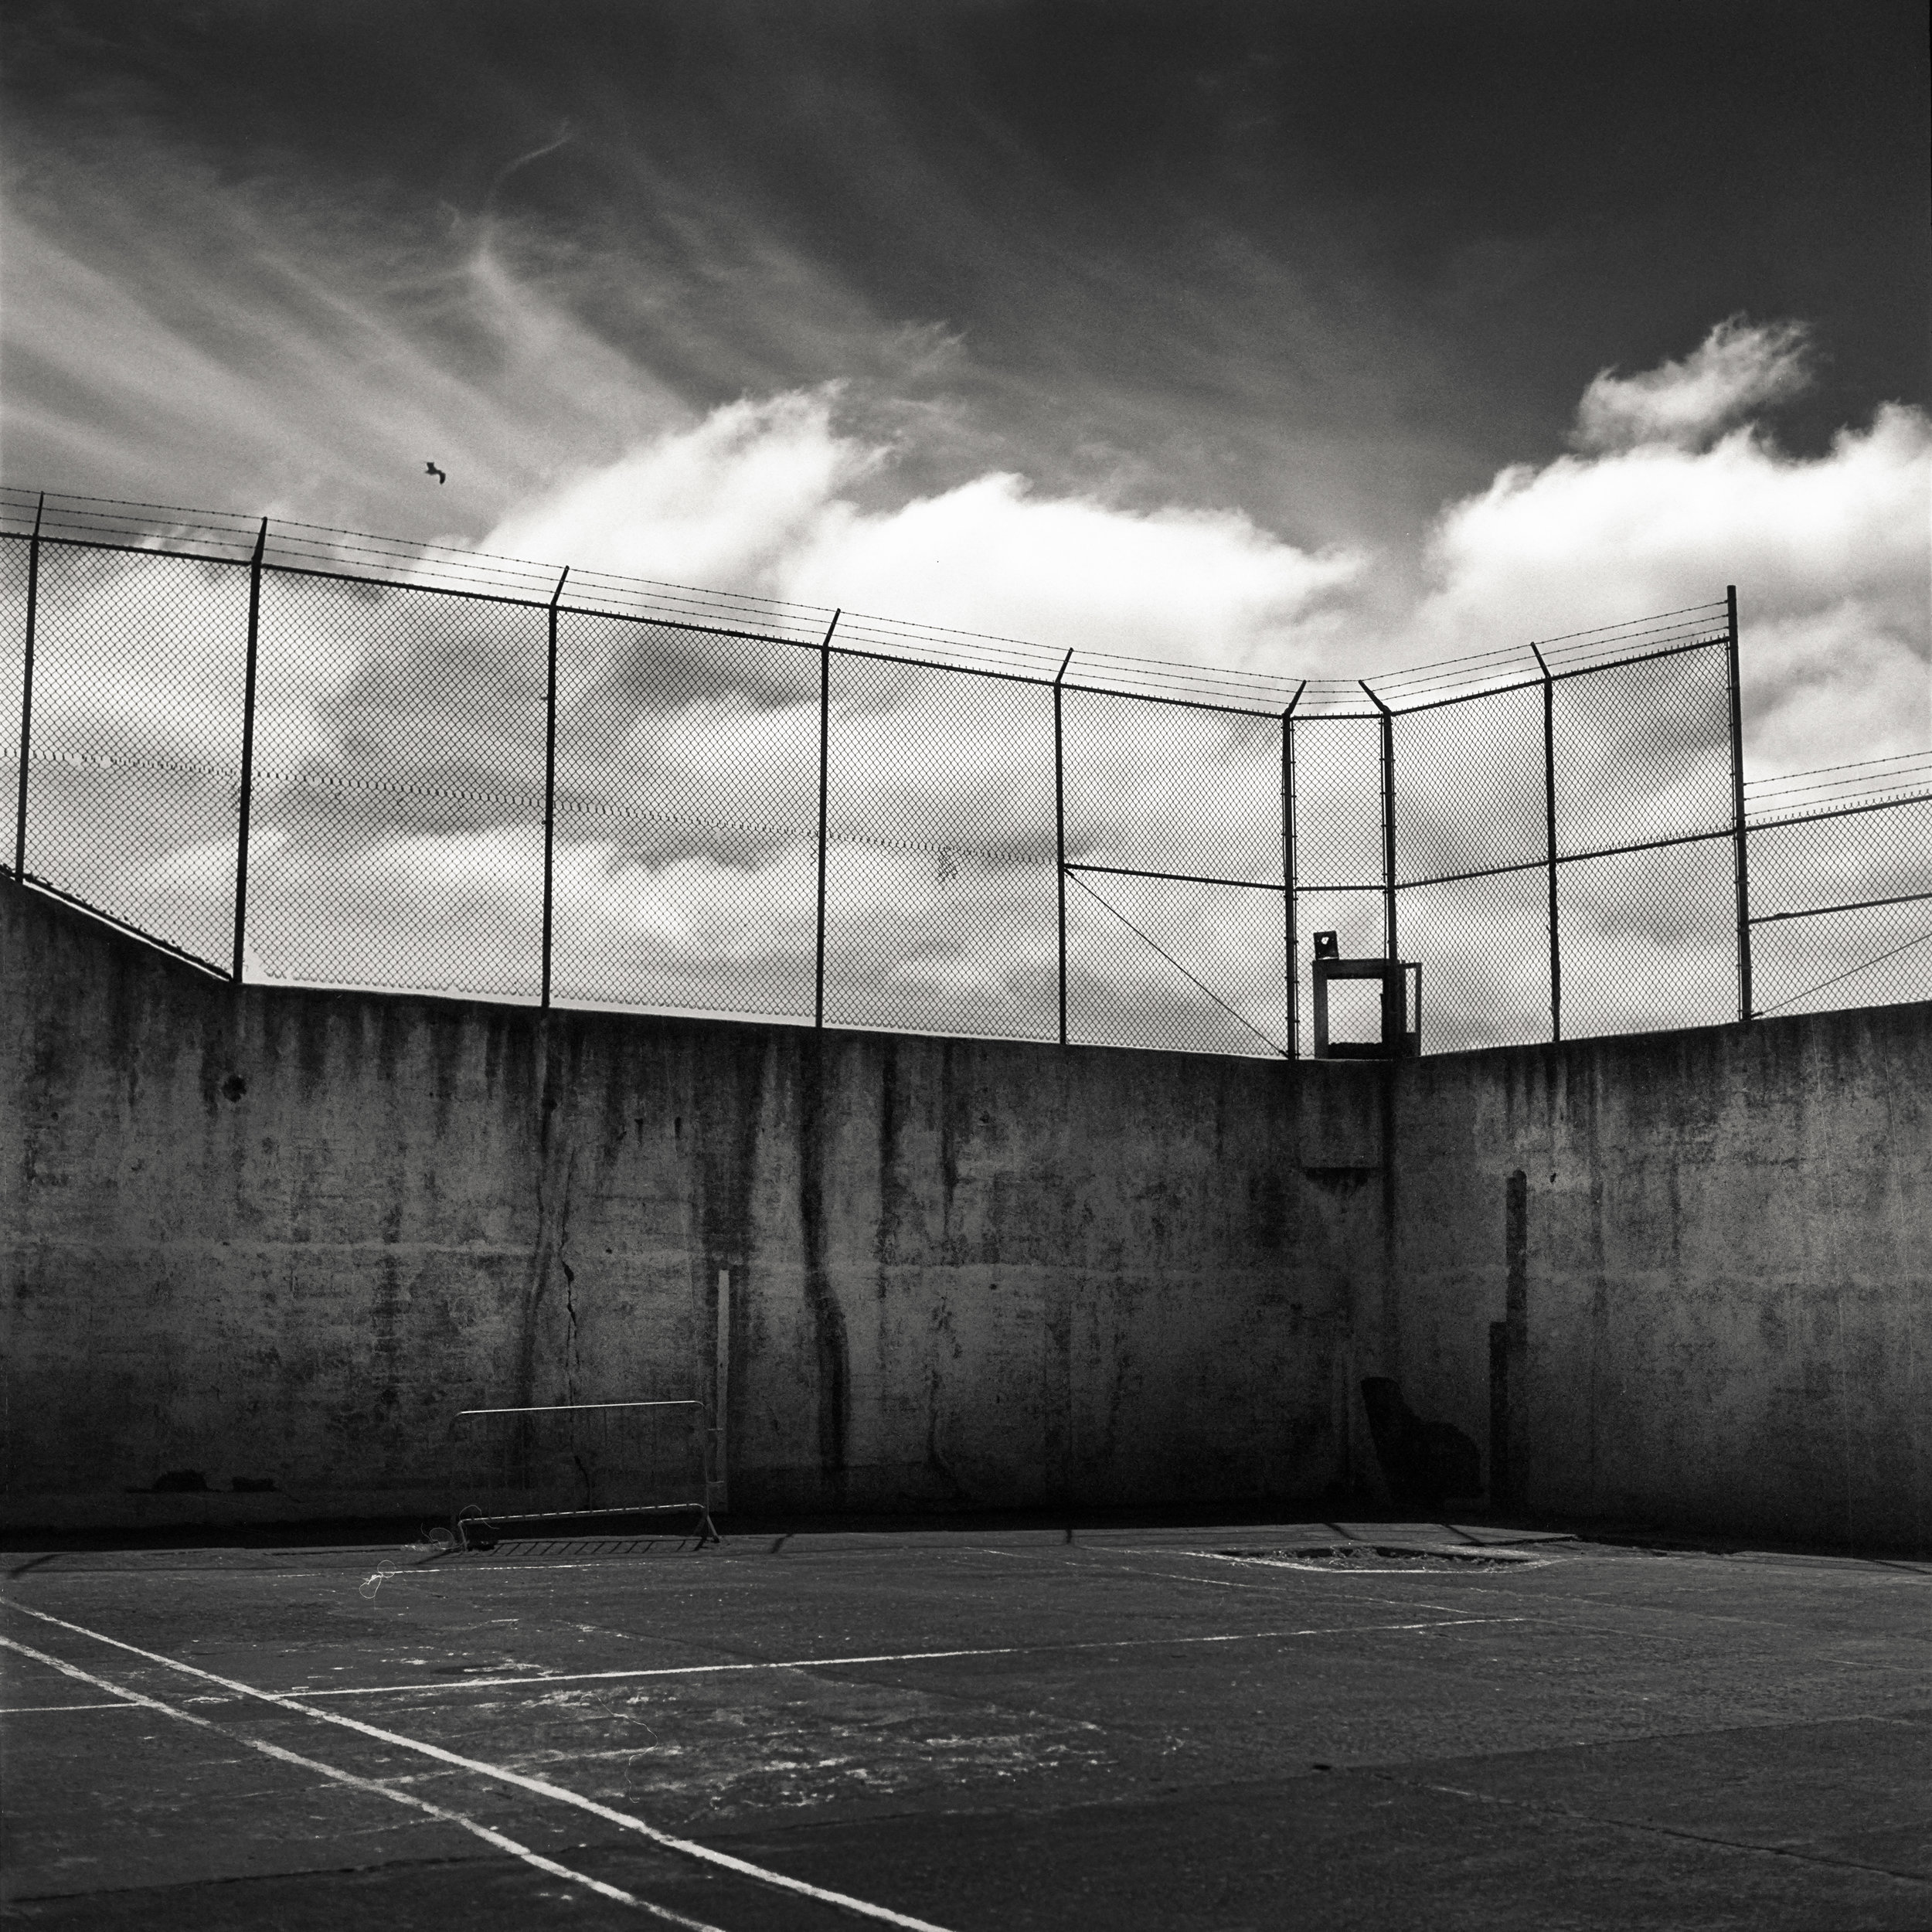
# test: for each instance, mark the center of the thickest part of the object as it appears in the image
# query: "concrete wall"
(281, 1237)
(1723, 1262)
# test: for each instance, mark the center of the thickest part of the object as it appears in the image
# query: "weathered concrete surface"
(991, 1733)
(1723, 1254)
(281, 1237)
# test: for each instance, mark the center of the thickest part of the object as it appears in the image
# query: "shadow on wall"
(1423, 1463)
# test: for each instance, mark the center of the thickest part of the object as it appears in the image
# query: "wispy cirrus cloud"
(178, 341)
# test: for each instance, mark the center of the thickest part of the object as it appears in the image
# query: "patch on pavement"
(1356, 1557)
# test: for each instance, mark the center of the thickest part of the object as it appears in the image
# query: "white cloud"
(1831, 555)
(729, 504)
(758, 498)
(1739, 369)
(993, 556)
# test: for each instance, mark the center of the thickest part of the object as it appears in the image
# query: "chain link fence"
(1841, 886)
(315, 758)
(135, 727)
(396, 819)
(685, 829)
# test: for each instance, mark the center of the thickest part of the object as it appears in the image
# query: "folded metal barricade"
(521, 1473)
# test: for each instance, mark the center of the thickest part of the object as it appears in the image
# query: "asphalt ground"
(1202, 1727)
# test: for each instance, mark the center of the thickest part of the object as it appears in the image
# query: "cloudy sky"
(1318, 289)
(1322, 337)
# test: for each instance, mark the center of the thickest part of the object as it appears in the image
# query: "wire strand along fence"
(305, 756)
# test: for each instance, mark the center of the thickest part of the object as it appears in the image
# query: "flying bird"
(441, 476)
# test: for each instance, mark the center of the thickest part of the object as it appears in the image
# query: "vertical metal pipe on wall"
(1388, 823)
(26, 691)
(1741, 857)
(549, 789)
(248, 750)
(825, 793)
(1287, 872)
(1059, 833)
(1549, 834)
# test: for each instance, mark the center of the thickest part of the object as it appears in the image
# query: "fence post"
(1388, 823)
(26, 693)
(248, 749)
(1059, 833)
(824, 749)
(1288, 869)
(1739, 836)
(1549, 834)
(550, 792)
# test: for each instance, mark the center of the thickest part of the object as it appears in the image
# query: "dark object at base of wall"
(1423, 1462)
(178, 1480)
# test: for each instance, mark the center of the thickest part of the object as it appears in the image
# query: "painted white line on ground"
(502, 1773)
(888, 1657)
(135, 1700)
(35, 1710)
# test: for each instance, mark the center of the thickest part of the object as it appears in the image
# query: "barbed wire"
(228, 537)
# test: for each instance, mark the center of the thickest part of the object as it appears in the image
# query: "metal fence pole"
(248, 749)
(1549, 834)
(550, 792)
(1388, 823)
(1059, 831)
(1740, 838)
(824, 770)
(1287, 870)
(26, 692)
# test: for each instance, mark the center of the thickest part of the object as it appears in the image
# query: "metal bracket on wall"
(1399, 1038)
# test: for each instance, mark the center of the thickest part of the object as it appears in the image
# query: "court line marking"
(137, 1700)
(503, 1775)
(37, 1710)
(890, 1657)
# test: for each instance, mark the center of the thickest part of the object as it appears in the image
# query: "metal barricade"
(521, 1473)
